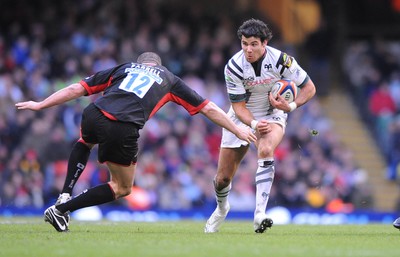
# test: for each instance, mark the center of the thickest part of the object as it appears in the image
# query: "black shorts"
(117, 140)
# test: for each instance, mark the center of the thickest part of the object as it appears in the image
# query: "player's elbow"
(311, 89)
(208, 109)
(76, 90)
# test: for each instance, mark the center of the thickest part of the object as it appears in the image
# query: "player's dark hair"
(254, 28)
(149, 57)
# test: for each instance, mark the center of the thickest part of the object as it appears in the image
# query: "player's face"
(253, 48)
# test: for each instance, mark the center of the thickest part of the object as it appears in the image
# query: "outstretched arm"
(219, 117)
(66, 94)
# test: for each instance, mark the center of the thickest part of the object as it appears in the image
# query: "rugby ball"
(286, 88)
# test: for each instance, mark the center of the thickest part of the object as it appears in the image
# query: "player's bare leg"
(229, 160)
(122, 178)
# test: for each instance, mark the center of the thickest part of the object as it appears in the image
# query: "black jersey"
(134, 92)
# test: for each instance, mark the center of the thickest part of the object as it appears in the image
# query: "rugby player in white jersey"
(249, 77)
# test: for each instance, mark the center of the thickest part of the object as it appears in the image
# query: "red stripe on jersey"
(192, 110)
(95, 88)
(108, 115)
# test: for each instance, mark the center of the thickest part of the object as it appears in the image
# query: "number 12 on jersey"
(137, 83)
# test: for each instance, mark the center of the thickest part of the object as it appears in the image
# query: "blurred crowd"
(47, 45)
(373, 71)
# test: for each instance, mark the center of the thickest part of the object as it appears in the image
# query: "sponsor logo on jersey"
(230, 85)
(229, 82)
(287, 60)
(258, 82)
(268, 66)
(153, 72)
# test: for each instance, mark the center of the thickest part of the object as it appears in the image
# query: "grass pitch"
(33, 237)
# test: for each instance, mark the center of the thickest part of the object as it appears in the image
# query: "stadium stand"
(50, 44)
(372, 70)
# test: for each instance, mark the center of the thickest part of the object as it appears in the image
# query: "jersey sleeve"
(234, 78)
(234, 81)
(99, 81)
(189, 99)
(290, 69)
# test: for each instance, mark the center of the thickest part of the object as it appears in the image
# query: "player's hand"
(246, 135)
(263, 127)
(279, 102)
(28, 105)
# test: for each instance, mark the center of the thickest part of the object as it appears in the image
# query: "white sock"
(264, 179)
(221, 196)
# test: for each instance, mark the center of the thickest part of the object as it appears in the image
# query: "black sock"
(76, 164)
(93, 196)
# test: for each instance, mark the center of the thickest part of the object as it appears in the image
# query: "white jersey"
(241, 78)
(244, 82)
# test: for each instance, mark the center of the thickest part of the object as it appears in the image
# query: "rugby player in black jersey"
(132, 94)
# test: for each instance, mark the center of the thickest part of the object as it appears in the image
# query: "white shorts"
(229, 140)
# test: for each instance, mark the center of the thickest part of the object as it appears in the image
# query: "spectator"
(382, 108)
